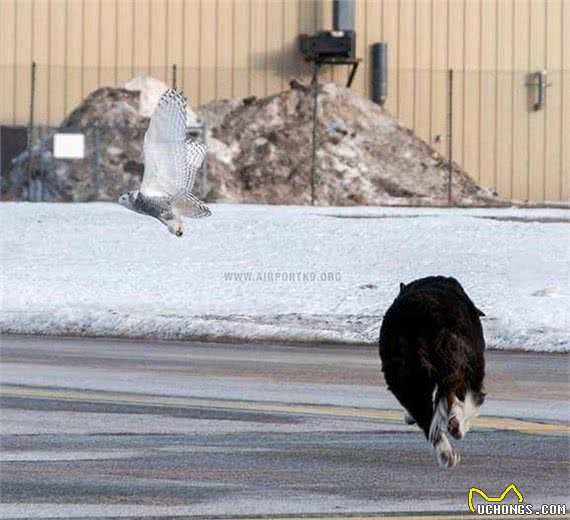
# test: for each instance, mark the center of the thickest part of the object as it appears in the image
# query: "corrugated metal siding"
(226, 48)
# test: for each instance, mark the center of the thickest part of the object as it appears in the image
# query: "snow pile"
(114, 122)
(259, 151)
(114, 130)
(150, 89)
(287, 274)
(364, 156)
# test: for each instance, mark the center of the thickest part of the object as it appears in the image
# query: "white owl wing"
(196, 152)
(187, 203)
(171, 160)
(191, 206)
(169, 167)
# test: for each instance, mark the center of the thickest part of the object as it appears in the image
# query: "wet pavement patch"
(374, 216)
(529, 220)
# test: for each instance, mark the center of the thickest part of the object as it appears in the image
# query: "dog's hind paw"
(448, 459)
(446, 456)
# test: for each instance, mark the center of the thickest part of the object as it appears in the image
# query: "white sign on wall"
(69, 146)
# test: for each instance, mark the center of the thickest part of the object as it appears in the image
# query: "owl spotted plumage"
(171, 162)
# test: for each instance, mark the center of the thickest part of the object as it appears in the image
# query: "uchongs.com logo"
(496, 505)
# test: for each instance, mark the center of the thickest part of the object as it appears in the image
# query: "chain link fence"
(508, 130)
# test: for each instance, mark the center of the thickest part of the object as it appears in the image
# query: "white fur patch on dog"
(438, 422)
(462, 414)
(446, 456)
(470, 411)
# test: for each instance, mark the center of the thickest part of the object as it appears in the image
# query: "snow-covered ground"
(325, 274)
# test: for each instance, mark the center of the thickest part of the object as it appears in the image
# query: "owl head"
(127, 199)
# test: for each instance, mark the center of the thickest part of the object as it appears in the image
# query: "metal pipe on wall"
(380, 73)
(343, 15)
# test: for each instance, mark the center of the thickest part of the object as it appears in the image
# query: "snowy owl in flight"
(171, 162)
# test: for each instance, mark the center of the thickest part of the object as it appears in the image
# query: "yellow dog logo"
(492, 499)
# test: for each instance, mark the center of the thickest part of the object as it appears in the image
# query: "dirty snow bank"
(259, 150)
(114, 121)
(150, 90)
(286, 274)
(262, 153)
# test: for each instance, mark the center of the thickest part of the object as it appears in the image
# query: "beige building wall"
(227, 48)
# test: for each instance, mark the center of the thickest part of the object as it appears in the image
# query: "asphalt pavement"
(144, 429)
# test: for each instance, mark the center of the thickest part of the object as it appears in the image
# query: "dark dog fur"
(432, 351)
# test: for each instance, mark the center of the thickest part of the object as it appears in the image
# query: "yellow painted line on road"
(394, 516)
(368, 414)
(520, 425)
(399, 516)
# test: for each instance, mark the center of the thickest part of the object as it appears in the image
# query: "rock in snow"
(260, 150)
